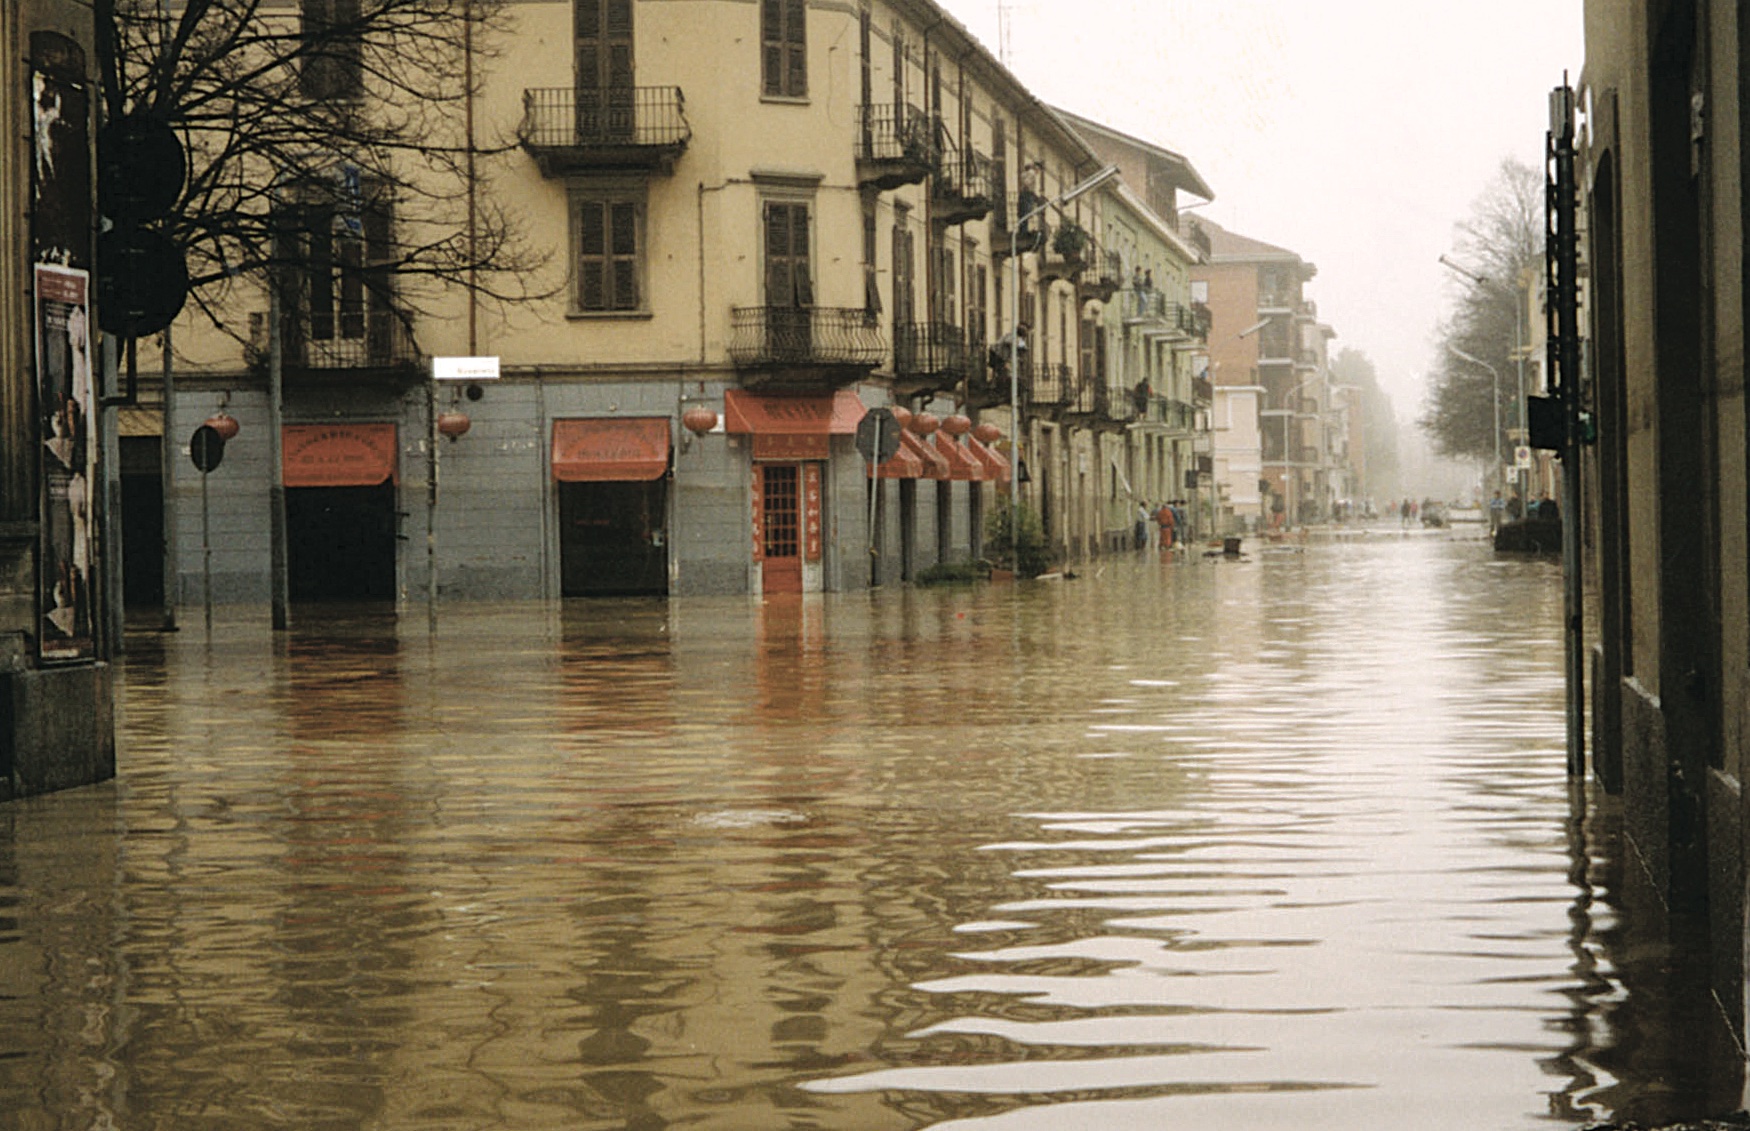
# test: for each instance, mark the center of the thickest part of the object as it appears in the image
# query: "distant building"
(1275, 412)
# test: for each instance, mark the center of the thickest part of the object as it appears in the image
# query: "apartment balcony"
(1067, 253)
(1115, 405)
(988, 384)
(1006, 238)
(965, 187)
(1083, 402)
(895, 146)
(1103, 278)
(637, 129)
(804, 349)
(1153, 312)
(348, 347)
(1054, 386)
(930, 357)
(1194, 234)
(1202, 391)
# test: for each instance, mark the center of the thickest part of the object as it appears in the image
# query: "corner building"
(765, 219)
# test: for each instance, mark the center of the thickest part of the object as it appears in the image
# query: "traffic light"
(142, 273)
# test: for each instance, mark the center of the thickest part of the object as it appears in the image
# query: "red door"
(780, 505)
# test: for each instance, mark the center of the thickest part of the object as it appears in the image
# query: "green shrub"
(1017, 546)
(950, 573)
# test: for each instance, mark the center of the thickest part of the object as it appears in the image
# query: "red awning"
(996, 466)
(903, 465)
(759, 414)
(610, 449)
(961, 464)
(935, 464)
(337, 455)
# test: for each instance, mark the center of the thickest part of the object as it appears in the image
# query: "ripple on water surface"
(1283, 842)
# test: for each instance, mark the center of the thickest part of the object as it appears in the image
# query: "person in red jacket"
(1169, 526)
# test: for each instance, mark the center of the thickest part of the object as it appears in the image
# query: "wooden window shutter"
(624, 248)
(592, 291)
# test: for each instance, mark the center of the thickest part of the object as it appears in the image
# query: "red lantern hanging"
(699, 420)
(453, 424)
(224, 424)
(924, 423)
(957, 425)
(987, 433)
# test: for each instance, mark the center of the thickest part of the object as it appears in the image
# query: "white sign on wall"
(464, 368)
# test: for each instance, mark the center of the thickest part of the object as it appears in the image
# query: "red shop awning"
(961, 464)
(610, 449)
(935, 464)
(759, 413)
(337, 455)
(903, 465)
(996, 465)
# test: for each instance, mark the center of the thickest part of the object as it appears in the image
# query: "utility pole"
(1562, 260)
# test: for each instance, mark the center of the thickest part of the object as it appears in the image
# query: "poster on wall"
(60, 171)
(69, 463)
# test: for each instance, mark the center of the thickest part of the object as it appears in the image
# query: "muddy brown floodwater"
(1275, 843)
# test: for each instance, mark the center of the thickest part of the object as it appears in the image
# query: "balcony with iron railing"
(1194, 234)
(1008, 236)
(364, 345)
(1104, 276)
(1114, 403)
(1152, 310)
(965, 187)
(930, 356)
(804, 348)
(1054, 385)
(896, 146)
(1066, 252)
(633, 129)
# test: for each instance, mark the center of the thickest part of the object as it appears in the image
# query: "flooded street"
(1282, 842)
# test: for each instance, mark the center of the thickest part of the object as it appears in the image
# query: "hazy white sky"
(1354, 132)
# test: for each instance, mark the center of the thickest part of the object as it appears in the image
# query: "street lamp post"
(1021, 221)
(1495, 376)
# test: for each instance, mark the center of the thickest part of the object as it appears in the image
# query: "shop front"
(612, 477)
(340, 484)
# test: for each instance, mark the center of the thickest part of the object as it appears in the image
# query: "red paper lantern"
(224, 424)
(902, 414)
(957, 425)
(987, 433)
(924, 423)
(453, 424)
(699, 420)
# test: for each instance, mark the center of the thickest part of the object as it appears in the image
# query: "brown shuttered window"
(608, 255)
(784, 48)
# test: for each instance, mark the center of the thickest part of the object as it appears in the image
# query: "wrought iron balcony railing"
(371, 342)
(896, 145)
(1054, 385)
(570, 130)
(765, 337)
(966, 187)
(930, 349)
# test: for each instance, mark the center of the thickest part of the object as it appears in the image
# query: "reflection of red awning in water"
(996, 466)
(338, 455)
(610, 450)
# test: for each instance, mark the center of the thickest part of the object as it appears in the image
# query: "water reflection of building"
(1661, 152)
(56, 725)
(735, 240)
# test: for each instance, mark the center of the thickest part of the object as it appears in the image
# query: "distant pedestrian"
(1169, 524)
(1142, 517)
(1497, 509)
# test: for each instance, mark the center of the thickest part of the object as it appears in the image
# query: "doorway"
(340, 543)
(612, 539)
(781, 527)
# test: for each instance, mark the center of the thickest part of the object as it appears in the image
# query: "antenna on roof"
(1003, 32)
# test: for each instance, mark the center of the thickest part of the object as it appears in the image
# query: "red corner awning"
(337, 455)
(759, 413)
(996, 466)
(934, 463)
(961, 464)
(903, 465)
(610, 449)
(791, 427)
